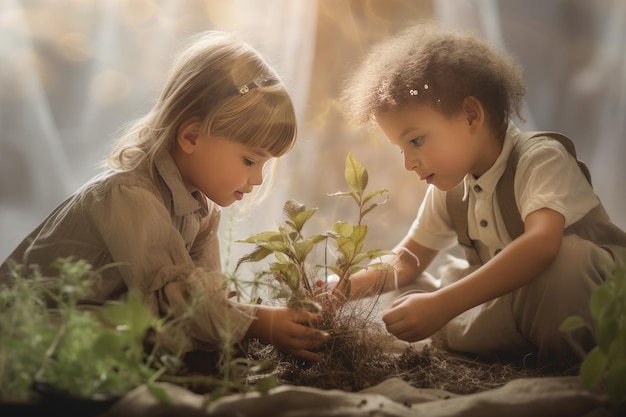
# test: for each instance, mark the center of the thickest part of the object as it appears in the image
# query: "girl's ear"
(188, 134)
(474, 113)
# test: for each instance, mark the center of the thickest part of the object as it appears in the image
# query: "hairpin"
(257, 82)
(415, 91)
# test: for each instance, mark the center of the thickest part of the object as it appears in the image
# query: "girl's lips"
(239, 195)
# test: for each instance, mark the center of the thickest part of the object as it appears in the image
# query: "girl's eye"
(248, 162)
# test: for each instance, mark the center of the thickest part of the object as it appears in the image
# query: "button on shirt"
(145, 231)
(546, 177)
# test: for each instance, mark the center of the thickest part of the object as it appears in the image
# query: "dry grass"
(361, 354)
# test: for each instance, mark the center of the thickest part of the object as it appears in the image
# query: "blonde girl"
(150, 220)
(536, 237)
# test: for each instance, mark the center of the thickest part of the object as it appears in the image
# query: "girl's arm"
(418, 316)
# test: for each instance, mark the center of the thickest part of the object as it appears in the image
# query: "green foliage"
(605, 364)
(73, 350)
(291, 248)
(95, 353)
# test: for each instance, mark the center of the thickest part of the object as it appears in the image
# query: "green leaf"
(302, 249)
(370, 208)
(262, 237)
(356, 175)
(108, 342)
(334, 269)
(378, 253)
(375, 193)
(131, 312)
(606, 332)
(343, 228)
(359, 258)
(615, 386)
(347, 248)
(359, 233)
(276, 246)
(617, 350)
(265, 384)
(257, 255)
(354, 269)
(592, 368)
(158, 392)
(292, 208)
(301, 218)
(572, 323)
(342, 194)
(600, 298)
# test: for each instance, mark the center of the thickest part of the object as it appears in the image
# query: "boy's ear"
(188, 134)
(474, 112)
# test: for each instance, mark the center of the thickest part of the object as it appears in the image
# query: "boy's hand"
(332, 293)
(287, 329)
(416, 316)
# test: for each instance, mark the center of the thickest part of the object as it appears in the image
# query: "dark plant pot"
(50, 400)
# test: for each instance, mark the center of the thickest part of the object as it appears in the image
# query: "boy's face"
(440, 149)
(222, 169)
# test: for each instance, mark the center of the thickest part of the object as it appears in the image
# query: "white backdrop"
(73, 71)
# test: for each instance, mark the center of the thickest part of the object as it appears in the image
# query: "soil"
(362, 354)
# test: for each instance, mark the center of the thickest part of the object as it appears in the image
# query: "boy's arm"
(418, 316)
(410, 261)
(515, 266)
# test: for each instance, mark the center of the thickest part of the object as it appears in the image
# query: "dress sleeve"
(151, 255)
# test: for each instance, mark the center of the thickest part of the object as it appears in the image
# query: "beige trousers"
(528, 319)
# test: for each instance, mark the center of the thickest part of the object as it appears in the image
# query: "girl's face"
(222, 169)
(440, 149)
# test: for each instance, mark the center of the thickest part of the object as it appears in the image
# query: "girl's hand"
(284, 328)
(416, 316)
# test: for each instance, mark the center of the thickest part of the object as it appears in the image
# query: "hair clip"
(415, 91)
(257, 82)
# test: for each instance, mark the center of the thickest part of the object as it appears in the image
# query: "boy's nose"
(410, 163)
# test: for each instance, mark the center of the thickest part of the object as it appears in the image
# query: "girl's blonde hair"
(228, 86)
(425, 64)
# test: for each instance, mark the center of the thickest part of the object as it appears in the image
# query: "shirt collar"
(183, 201)
(488, 181)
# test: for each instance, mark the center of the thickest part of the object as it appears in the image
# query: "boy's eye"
(417, 141)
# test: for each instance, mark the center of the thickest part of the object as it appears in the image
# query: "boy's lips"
(427, 178)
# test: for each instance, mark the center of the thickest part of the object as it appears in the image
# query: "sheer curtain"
(73, 72)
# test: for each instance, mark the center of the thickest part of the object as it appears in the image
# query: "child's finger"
(301, 316)
(305, 354)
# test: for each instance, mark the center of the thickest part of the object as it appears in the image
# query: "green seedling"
(605, 365)
(291, 268)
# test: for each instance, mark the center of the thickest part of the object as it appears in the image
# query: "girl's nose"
(256, 178)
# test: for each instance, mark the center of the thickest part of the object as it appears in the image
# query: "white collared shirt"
(546, 177)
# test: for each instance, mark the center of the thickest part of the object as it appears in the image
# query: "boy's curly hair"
(426, 64)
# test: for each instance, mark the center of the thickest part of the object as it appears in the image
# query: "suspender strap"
(458, 209)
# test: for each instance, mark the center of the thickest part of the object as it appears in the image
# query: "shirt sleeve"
(547, 176)
(432, 227)
(151, 255)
